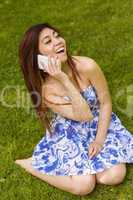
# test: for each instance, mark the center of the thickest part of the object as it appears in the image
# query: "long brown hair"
(33, 76)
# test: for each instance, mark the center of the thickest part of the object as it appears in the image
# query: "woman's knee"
(83, 185)
(113, 176)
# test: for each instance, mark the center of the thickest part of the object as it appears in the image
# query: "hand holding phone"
(51, 65)
(43, 62)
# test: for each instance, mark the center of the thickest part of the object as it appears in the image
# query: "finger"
(98, 150)
(91, 156)
(58, 63)
(53, 63)
(91, 149)
(50, 65)
(93, 153)
(45, 68)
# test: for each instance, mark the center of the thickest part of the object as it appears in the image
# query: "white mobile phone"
(42, 62)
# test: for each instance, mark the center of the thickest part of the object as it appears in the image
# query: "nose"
(56, 42)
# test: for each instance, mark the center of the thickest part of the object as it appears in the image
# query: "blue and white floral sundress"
(66, 152)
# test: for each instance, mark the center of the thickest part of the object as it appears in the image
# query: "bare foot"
(26, 164)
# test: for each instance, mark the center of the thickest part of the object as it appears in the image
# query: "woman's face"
(51, 43)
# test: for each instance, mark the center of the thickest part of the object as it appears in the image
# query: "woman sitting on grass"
(85, 142)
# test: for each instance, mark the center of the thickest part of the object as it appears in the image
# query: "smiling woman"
(47, 38)
(85, 141)
(39, 39)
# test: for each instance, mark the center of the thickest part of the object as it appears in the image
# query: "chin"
(63, 58)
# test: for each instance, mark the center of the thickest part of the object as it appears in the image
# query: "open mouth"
(62, 50)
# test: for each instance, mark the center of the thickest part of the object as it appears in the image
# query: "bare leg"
(65, 181)
(112, 176)
(79, 185)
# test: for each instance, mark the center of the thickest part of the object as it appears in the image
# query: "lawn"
(100, 29)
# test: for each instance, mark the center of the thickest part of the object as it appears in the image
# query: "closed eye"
(48, 42)
(58, 35)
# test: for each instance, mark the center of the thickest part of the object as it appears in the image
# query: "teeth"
(60, 50)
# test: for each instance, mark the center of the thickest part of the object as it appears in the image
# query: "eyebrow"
(47, 36)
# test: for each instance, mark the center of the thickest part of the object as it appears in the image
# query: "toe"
(17, 161)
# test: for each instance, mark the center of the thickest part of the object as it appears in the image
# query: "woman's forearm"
(79, 104)
(104, 122)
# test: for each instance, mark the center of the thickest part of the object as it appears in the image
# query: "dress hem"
(86, 172)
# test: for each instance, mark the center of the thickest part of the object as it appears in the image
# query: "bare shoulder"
(94, 73)
(86, 64)
(84, 59)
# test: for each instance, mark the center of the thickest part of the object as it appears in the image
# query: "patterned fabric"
(66, 152)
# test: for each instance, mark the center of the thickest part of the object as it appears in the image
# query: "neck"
(66, 69)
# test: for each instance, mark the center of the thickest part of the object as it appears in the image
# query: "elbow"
(85, 118)
(84, 115)
(89, 117)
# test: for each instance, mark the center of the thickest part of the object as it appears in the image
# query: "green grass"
(100, 29)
